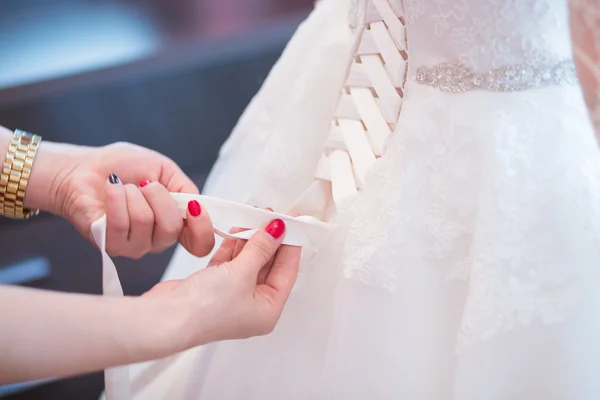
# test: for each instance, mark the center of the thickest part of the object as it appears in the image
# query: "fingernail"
(194, 208)
(276, 228)
(113, 179)
(144, 183)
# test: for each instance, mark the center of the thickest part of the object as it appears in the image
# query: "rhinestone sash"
(458, 78)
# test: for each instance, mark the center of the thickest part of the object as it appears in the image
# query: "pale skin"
(241, 294)
(586, 55)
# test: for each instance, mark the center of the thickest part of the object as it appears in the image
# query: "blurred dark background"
(172, 75)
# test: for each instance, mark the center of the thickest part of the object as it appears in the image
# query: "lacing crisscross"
(370, 102)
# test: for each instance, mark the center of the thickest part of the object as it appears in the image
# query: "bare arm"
(48, 334)
(585, 29)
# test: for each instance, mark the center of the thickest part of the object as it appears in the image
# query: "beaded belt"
(511, 78)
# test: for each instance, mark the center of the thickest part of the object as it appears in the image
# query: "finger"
(239, 244)
(260, 248)
(198, 233)
(262, 274)
(285, 268)
(117, 216)
(167, 220)
(175, 180)
(226, 251)
(141, 220)
(282, 275)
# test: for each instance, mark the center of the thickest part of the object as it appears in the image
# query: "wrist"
(169, 329)
(52, 165)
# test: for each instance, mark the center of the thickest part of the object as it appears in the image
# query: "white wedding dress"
(464, 258)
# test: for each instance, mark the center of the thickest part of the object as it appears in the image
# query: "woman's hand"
(59, 334)
(240, 294)
(73, 181)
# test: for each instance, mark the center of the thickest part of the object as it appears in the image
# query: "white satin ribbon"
(300, 231)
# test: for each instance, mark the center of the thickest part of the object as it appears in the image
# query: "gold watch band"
(15, 175)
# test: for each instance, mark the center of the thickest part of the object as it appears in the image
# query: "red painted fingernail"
(144, 183)
(194, 208)
(276, 228)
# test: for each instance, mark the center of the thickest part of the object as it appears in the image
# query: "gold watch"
(15, 175)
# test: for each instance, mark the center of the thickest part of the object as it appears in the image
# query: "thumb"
(260, 248)
(198, 234)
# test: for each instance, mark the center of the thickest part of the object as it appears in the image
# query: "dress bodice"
(484, 34)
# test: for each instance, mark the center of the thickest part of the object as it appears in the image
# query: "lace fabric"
(488, 34)
(482, 207)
